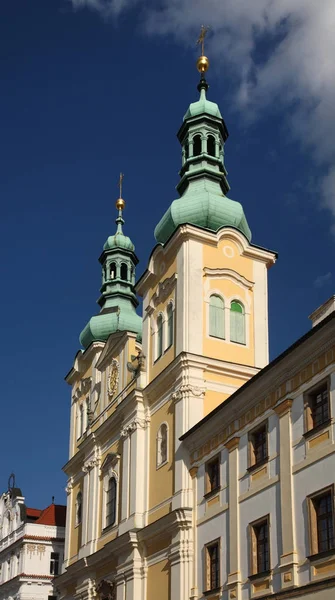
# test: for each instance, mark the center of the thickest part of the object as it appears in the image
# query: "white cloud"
(281, 53)
(322, 280)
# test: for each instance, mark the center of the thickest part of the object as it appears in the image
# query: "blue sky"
(90, 92)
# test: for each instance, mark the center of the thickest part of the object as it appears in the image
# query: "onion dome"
(118, 300)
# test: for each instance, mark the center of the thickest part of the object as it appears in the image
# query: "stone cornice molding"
(232, 444)
(228, 274)
(128, 429)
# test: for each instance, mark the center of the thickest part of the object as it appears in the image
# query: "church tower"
(139, 384)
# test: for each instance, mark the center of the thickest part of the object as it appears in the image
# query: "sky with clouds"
(94, 87)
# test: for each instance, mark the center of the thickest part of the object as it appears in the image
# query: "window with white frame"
(110, 471)
(162, 445)
(216, 317)
(111, 502)
(170, 325)
(237, 322)
(159, 336)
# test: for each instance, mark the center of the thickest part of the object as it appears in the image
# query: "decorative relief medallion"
(228, 251)
(113, 378)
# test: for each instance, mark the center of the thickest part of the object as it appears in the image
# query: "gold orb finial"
(120, 204)
(202, 64)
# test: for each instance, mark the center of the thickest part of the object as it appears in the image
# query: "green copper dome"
(119, 240)
(118, 300)
(203, 106)
(204, 205)
(203, 185)
(100, 327)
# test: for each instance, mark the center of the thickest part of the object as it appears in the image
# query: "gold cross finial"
(201, 39)
(120, 183)
(120, 203)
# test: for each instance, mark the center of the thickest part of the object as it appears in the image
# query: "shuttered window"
(216, 317)
(237, 322)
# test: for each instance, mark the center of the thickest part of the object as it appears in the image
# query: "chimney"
(323, 311)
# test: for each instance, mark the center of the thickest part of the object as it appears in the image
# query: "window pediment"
(162, 292)
(110, 461)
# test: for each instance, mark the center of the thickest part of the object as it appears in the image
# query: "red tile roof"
(55, 514)
(33, 512)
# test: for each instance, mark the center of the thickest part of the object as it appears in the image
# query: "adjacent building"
(31, 547)
(195, 468)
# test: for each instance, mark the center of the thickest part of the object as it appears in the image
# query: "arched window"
(79, 508)
(197, 145)
(237, 322)
(216, 317)
(159, 336)
(112, 271)
(111, 502)
(187, 153)
(169, 325)
(211, 145)
(124, 271)
(162, 445)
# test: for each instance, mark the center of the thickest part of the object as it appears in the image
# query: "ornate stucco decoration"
(106, 590)
(133, 425)
(83, 388)
(113, 377)
(90, 464)
(188, 390)
(162, 292)
(69, 486)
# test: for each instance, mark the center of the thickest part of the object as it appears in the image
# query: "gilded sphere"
(120, 204)
(202, 64)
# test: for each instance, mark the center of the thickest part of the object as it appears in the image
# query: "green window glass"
(169, 325)
(159, 336)
(237, 322)
(216, 317)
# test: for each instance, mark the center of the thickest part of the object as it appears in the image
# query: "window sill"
(217, 337)
(258, 465)
(261, 575)
(315, 430)
(212, 592)
(212, 492)
(319, 555)
(108, 528)
(161, 465)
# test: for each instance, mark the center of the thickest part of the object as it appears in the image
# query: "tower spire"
(120, 206)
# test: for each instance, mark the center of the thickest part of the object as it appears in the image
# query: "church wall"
(158, 581)
(212, 400)
(161, 478)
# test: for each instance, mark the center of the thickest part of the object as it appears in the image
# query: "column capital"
(284, 407)
(232, 444)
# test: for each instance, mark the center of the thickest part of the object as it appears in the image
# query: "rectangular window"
(260, 546)
(317, 407)
(54, 563)
(212, 475)
(258, 445)
(212, 565)
(321, 516)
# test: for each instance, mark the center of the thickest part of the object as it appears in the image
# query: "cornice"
(228, 274)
